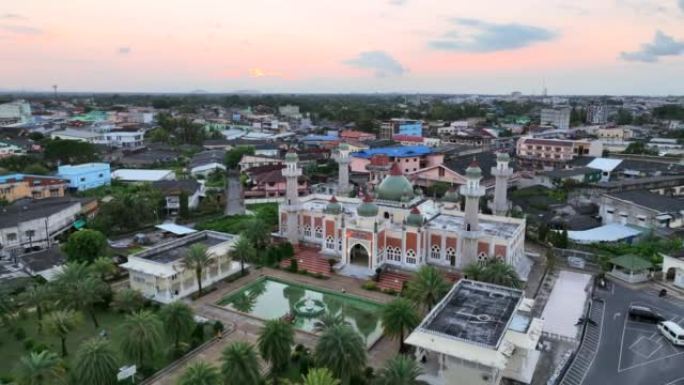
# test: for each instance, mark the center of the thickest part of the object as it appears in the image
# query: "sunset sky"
(454, 46)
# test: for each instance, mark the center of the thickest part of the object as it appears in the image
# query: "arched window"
(450, 253)
(411, 257)
(330, 243)
(393, 254)
(307, 231)
(482, 257)
(435, 252)
(318, 232)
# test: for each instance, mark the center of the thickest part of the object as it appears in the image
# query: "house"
(86, 176)
(606, 165)
(27, 224)
(173, 189)
(554, 178)
(630, 268)
(356, 135)
(269, 182)
(20, 186)
(46, 263)
(160, 275)
(142, 175)
(125, 139)
(9, 149)
(79, 135)
(554, 153)
(641, 208)
(206, 162)
(478, 334)
(251, 161)
(408, 158)
(673, 268)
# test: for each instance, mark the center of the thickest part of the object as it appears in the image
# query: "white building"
(8, 149)
(126, 140)
(597, 114)
(79, 135)
(477, 335)
(557, 117)
(142, 175)
(159, 274)
(17, 111)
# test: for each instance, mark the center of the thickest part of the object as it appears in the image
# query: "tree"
(342, 350)
(37, 296)
(103, 267)
(183, 211)
(474, 271)
(399, 317)
(500, 273)
(128, 300)
(39, 368)
(427, 287)
(178, 322)
(36, 169)
(69, 152)
(239, 365)
(400, 370)
(96, 363)
(234, 156)
(258, 233)
(85, 245)
(80, 290)
(198, 260)
(141, 337)
(200, 373)
(275, 344)
(329, 320)
(60, 323)
(243, 251)
(319, 376)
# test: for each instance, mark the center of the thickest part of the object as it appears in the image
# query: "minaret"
(292, 172)
(341, 155)
(472, 191)
(502, 172)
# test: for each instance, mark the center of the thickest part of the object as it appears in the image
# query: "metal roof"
(397, 152)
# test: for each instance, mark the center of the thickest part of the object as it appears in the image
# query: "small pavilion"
(631, 268)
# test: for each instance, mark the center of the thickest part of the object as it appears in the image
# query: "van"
(644, 314)
(672, 332)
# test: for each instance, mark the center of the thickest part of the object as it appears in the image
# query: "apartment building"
(551, 153)
(557, 117)
(20, 186)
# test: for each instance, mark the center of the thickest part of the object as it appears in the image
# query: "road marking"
(674, 381)
(660, 346)
(616, 315)
(635, 342)
(622, 342)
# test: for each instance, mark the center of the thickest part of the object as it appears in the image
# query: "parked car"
(672, 331)
(644, 314)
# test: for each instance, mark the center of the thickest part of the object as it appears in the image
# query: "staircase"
(589, 346)
(391, 280)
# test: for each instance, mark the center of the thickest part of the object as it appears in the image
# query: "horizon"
(608, 47)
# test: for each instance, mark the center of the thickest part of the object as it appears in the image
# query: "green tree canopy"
(198, 260)
(96, 363)
(178, 321)
(69, 152)
(60, 323)
(275, 344)
(85, 245)
(200, 373)
(39, 368)
(234, 156)
(398, 318)
(427, 287)
(141, 337)
(342, 350)
(239, 365)
(400, 370)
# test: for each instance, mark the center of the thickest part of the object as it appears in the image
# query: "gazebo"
(630, 268)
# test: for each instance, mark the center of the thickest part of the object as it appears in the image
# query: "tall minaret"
(292, 172)
(502, 172)
(472, 191)
(341, 155)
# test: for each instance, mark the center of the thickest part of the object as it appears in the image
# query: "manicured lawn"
(11, 348)
(234, 224)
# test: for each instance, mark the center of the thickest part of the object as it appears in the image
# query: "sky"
(323, 46)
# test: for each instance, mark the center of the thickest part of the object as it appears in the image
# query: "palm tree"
(328, 320)
(400, 370)
(427, 287)
(399, 317)
(178, 322)
(198, 260)
(128, 300)
(244, 251)
(37, 296)
(240, 365)
(319, 376)
(60, 323)
(275, 344)
(141, 336)
(500, 273)
(79, 289)
(258, 233)
(103, 267)
(474, 271)
(44, 368)
(341, 350)
(96, 363)
(200, 373)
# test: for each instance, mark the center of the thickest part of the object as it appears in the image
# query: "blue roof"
(397, 152)
(19, 177)
(320, 138)
(79, 168)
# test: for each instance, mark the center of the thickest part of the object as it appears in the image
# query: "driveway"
(635, 353)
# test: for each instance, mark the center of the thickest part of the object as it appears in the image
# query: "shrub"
(376, 277)
(332, 262)
(370, 285)
(293, 265)
(218, 327)
(29, 344)
(390, 291)
(19, 333)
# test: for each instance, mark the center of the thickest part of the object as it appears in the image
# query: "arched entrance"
(358, 255)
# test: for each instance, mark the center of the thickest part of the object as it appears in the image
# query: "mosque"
(395, 226)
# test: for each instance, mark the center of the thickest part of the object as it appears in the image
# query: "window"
(100, 175)
(610, 211)
(411, 256)
(450, 253)
(318, 231)
(435, 252)
(11, 237)
(30, 233)
(393, 254)
(482, 258)
(330, 243)
(307, 231)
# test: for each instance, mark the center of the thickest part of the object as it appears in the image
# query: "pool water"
(268, 298)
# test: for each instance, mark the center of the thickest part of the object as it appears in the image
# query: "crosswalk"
(589, 346)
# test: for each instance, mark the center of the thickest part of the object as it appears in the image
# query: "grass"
(234, 224)
(11, 349)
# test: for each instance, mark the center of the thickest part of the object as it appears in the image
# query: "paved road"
(633, 353)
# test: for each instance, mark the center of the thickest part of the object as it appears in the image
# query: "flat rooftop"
(474, 312)
(176, 250)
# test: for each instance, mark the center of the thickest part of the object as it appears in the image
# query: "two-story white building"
(159, 274)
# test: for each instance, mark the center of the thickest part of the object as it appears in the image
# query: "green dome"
(473, 171)
(367, 208)
(395, 187)
(451, 195)
(415, 218)
(333, 207)
(503, 157)
(343, 146)
(291, 156)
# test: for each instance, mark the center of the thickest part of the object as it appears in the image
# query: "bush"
(29, 344)
(293, 265)
(390, 291)
(218, 327)
(19, 333)
(370, 285)
(332, 262)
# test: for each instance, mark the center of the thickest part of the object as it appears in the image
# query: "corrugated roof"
(631, 262)
(397, 152)
(605, 164)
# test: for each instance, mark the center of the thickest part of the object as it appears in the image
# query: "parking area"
(632, 352)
